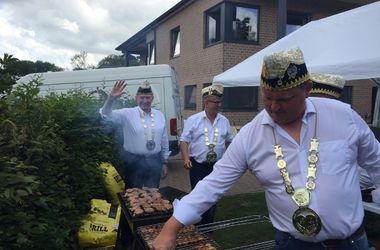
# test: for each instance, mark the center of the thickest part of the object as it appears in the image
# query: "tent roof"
(346, 44)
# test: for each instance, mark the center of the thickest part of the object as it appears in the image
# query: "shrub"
(49, 151)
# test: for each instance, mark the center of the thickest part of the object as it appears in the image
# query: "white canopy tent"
(347, 44)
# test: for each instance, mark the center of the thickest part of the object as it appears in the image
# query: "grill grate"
(189, 238)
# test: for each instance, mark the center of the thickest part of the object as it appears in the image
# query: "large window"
(244, 24)
(190, 97)
(232, 22)
(175, 42)
(151, 53)
(240, 99)
(346, 95)
(213, 25)
(295, 20)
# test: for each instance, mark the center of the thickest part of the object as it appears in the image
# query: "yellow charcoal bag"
(100, 227)
(112, 181)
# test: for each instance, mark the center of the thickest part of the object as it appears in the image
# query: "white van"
(161, 77)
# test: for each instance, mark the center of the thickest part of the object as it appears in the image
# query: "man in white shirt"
(205, 137)
(305, 152)
(146, 146)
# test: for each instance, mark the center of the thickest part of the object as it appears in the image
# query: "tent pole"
(376, 112)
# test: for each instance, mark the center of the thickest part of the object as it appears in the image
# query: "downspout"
(281, 19)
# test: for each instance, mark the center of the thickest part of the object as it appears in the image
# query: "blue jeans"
(142, 170)
(285, 241)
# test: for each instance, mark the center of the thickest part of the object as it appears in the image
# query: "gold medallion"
(301, 197)
(211, 156)
(307, 222)
(150, 145)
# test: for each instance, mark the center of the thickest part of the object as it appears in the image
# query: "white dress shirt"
(133, 130)
(194, 134)
(345, 140)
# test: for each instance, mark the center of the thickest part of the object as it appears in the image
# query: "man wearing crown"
(145, 145)
(204, 139)
(304, 151)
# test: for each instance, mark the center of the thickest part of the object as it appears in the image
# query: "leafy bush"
(49, 151)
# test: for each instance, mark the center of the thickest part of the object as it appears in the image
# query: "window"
(244, 24)
(346, 95)
(151, 53)
(232, 22)
(190, 97)
(240, 99)
(175, 42)
(295, 21)
(213, 28)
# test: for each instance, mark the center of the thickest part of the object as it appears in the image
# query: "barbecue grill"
(189, 238)
(198, 239)
(146, 218)
(133, 222)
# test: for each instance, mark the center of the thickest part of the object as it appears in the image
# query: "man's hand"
(164, 171)
(166, 240)
(116, 92)
(118, 89)
(187, 164)
(164, 243)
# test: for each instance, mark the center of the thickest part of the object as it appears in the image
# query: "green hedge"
(49, 151)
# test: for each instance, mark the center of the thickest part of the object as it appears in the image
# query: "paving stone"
(178, 177)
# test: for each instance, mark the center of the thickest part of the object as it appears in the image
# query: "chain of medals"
(211, 154)
(305, 220)
(150, 144)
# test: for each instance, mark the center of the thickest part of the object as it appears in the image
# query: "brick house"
(201, 39)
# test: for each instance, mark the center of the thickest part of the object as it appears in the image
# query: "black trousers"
(197, 173)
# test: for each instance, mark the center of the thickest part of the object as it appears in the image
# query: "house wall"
(197, 64)
(361, 97)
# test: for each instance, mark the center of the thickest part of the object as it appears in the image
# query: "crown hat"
(284, 70)
(327, 84)
(144, 88)
(213, 90)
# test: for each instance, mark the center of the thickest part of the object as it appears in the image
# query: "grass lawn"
(231, 207)
(235, 206)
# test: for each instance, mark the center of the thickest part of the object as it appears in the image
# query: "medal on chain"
(150, 144)
(211, 154)
(305, 220)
